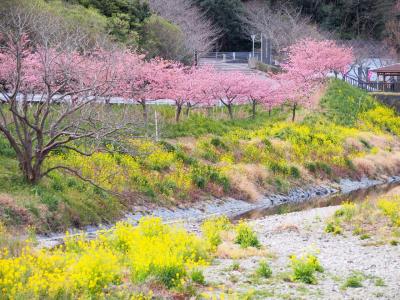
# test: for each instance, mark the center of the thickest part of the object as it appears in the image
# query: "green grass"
(199, 124)
(56, 203)
(343, 103)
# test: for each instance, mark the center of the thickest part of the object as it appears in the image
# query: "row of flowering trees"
(308, 65)
(35, 76)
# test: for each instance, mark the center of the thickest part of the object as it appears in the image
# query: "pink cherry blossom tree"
(262, 90)
(230, 88)
(174, 83)
(53, 96)
(139, 80)
(201, 78)
(308, 65)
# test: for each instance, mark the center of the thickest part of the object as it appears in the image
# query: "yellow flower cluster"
(391, 209)
(303, 143)
(94, 269)
(212, 229)
(153, 171)
(381, 119)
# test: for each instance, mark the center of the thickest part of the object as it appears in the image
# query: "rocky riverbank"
(230, 207)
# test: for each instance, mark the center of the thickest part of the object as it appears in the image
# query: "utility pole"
(156, 123)
(196, 58)
(253, 38)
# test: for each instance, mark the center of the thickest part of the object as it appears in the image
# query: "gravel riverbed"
(340, 256)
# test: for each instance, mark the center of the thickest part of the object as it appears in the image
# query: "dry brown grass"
(286, 228)
(382, 141)
(248, 180)
(187, 142)
(230, 250)
(383, 162)
(12, 212)
(393, 192)
(352, 143)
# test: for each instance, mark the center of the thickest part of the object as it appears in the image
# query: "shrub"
(245, 236)
(197, 276)
(202, 174)
(354, 281)
(279, 167)
(235, 266)
(295, 172)
(264, 270)
(304, 268)
(379, 282)
(364, 236)
(314, 167)
(346, 211)
(216, 142)
(333, 227)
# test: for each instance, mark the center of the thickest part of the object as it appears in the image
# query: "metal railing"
(231, 57)
(373, 86)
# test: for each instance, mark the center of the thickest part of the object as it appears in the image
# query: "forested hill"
(175, 29)
(349, 18)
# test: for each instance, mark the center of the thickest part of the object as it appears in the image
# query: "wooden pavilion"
(390, 76)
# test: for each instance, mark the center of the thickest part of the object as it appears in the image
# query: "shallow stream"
(359, 195)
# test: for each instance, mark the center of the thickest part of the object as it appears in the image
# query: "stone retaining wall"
(391, 100)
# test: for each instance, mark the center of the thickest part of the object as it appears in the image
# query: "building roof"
(391, 69)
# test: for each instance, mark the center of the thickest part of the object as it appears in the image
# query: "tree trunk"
(269, 112)
(144, 112)
(178, 113)
(230, 111)
(188, 106)
(294, 111)
(32, 174)
(254, 104)
(209, 111)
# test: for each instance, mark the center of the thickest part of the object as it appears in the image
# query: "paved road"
(228, 66)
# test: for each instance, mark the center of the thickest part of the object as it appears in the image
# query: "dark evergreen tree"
(126, 18)
(226, 14)
(349, 18)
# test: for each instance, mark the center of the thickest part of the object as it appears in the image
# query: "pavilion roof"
(391, 69)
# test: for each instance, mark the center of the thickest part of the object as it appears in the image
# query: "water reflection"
(337, 199)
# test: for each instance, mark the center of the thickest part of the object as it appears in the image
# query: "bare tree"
(199, 32)
(393, 27)
(53, 91)
(369, 54)
(282, 24)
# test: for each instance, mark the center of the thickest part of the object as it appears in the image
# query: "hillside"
(203, 157)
